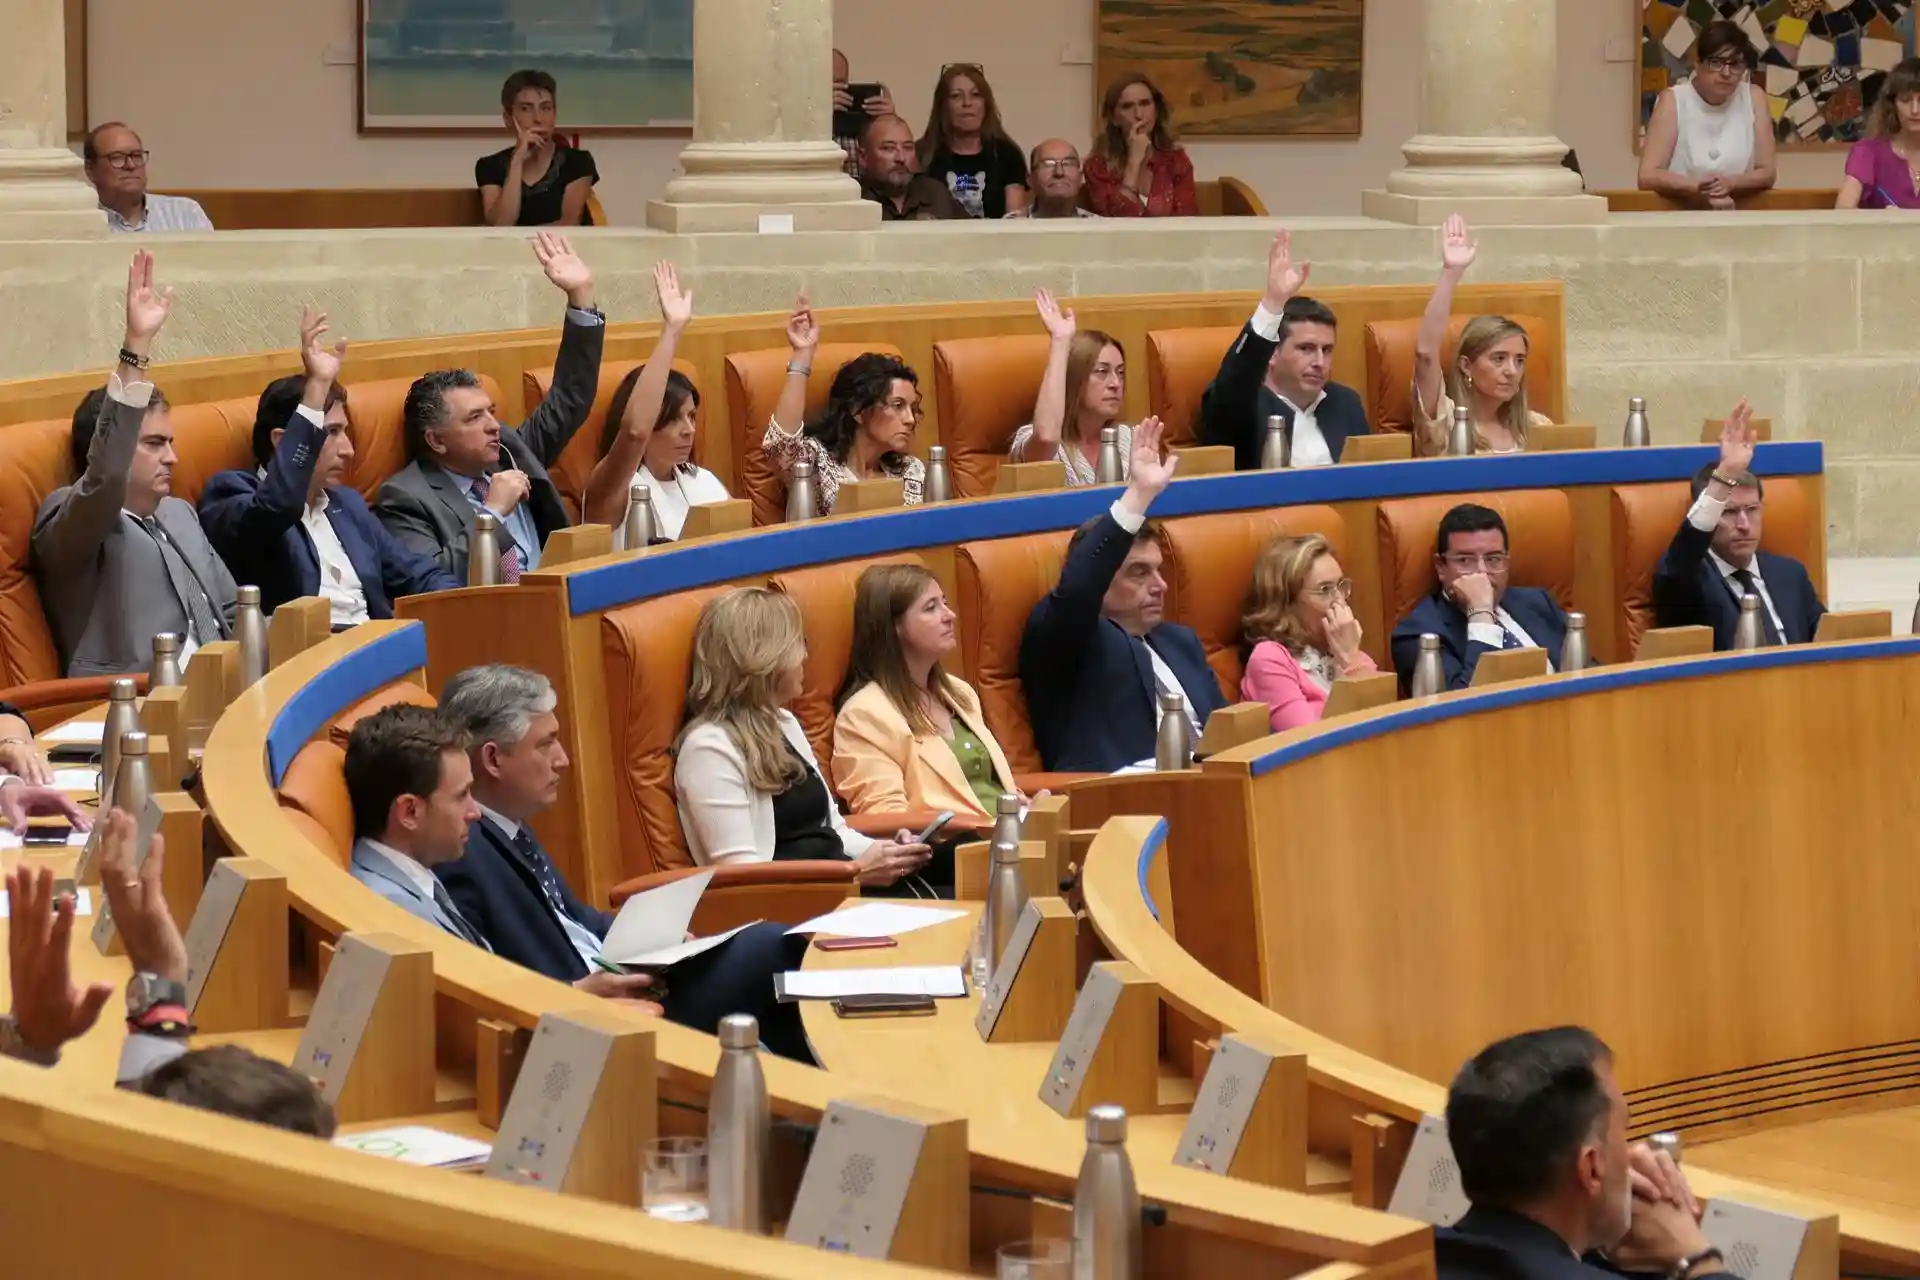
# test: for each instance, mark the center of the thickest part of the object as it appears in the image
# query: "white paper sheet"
(82, 903)
(663, 957)
(944, 980)
(876, 920)
(83, 780)
(87, 731)
(655, 919)
(416, 1144)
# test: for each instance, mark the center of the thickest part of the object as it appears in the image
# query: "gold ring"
(129, 884)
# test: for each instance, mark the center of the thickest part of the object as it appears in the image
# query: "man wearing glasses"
(117, 167)
(1053, 175)
(1473, 610)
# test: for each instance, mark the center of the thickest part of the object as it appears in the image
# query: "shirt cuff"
(311, 414)
(1266, 323)
(1705, 512)
(142, 1053)
(576, 316)
(1126, 519)
(135, 395)
(1489, 634)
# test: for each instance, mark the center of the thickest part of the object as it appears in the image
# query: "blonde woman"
(747, 783)
(1300, 631)
(1488, 374)
(1082, 391)
(908, 735)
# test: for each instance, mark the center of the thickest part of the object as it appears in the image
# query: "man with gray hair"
(509, 892)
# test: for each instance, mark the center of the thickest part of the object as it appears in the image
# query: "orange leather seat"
(998, 583)
(376, 416)
(1644, 518)
(754, 379)
(1539, 535)
(1180, 364)
(1390, 344)
(576, 461)
(1210, 566)
(985, 389)
(314, 790)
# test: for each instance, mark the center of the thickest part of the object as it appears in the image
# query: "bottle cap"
(739, 1031)
(1276, 423)
(1429, 642)
(1636, 404)
(802, 468)
(1009, 803)
(1107, 1123)
(133, 743)
(1109, 435)
(1006, 851)
(1749, 603)
(121, 690)
(1170, 701)
(1576, 622)
(937, 453)
(247, 596)
(487, 522)
(167, 642)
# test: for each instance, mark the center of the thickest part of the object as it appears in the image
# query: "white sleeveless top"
(1712, 139)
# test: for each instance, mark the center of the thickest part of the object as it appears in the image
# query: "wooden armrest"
(1058, 783)
(742, 875)
(884, 826)
(40, 700)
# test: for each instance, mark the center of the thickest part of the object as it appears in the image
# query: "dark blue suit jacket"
(1236, 405)
(1496, 1244)
(255, 526)
(1537, 612)
(1689, 592)
(1090, 690)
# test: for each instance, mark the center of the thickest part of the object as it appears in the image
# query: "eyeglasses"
(1492, 562)
(1327, 591)
(973, 67)
(1726, 62)
(1068, 165)
(127, 159)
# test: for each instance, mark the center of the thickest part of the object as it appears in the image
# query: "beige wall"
(235, 93)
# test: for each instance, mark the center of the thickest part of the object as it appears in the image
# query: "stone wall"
(1807, 314)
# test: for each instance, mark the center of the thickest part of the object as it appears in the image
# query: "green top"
(976, 764)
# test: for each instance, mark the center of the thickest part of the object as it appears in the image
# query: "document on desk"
(946, 981)
(82, 780)
(876, 920)
(87, 732)
(651, 930)
(416, 1144)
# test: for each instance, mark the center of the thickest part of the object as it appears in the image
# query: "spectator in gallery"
(1299, 631)
(1882, 168)
(1488, 373)
(1138, 169)
(967, 148)
(1054, 183)
(888, 179)
(539, 181)
(853, 106)
(1710, 140)
(1082, 393)
(648, 438)
(116, 163)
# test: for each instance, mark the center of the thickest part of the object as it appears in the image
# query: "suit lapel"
(448, 488)
(378, 864)
(1142, 665)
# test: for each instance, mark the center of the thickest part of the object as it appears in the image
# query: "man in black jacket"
(1279, 365)
(1538, 1127)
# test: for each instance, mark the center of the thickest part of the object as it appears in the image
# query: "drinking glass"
(673, 1185)
(1035, 1260)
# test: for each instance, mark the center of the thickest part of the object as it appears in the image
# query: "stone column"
(1486, 148)
(43, 191)
(762, 124)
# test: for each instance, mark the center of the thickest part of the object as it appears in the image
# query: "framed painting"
(1266, 68)
(436, 66)
(1822, 62)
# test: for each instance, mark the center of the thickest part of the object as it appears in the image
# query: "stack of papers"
(86, 781)
(946, 981)
(89, 732)
(417, 1145)
(651, 930)
(876, 920)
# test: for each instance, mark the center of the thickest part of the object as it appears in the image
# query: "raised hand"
(1059, 323)
(1736, 439)
(1148, 474)
(803, 335)
(1284, 279)
(48, 1009)
(676, 304)
(321, 362)
(565, 268)
(147, 306)
(140, 911)
(1457, 246)
(842, 100)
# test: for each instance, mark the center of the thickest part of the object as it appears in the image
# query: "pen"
(607, 966)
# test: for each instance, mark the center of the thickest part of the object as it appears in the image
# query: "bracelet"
(133, 361)
(1718, 478)
(1488, 613)
(804, 370)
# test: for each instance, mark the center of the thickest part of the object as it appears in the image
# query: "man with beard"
(887, 176)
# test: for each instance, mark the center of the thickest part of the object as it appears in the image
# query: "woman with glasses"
(1298, 630)
(866, 430)
(1883, 171)
(1137, 168)
(966, 146)
(1086, 384)
(1710, 140)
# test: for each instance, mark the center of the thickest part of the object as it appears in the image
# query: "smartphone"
(52, 833)
(854, 944)
(75, 753)
(884, 1006)
(848, 123)
(934, 828)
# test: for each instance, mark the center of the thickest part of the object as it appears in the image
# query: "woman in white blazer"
(747, 783)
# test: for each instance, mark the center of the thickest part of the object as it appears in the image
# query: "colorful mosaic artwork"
(1821, 61)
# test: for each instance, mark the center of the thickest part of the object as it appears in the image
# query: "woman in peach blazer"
(907, 735)
(1300, 630)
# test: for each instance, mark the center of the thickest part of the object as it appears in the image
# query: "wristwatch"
(147, 992)
(1685, 1267)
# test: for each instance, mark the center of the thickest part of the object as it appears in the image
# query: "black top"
(1236, 405)
(541, 202)
(803, 820)
(1497, 1244)
(979, 183)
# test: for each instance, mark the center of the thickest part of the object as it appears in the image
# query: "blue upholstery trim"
(1602, 680)
(367, 668)
(1155, 838)
(779, 549)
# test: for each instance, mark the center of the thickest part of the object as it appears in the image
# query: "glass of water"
(673, 1183)
(1036, 1260)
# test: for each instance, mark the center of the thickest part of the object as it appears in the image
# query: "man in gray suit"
(461, 460)
(118, 558)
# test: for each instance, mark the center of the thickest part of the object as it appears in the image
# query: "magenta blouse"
(1885, 180)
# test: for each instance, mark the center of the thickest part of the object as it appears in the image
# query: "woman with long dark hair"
(1883, 171)
(1137, 168)
(966, 146)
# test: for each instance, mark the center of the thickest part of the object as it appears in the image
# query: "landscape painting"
(438, 64)
(1241, 67)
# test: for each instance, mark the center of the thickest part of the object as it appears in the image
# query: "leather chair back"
(754, 379)
(1390, 344)
(208, 439)
(1644, 518)
(998, 583)
(1180, 364)
(825, 597)
(376, 417)
(575, 465)
(314, 789)
(648, 650)
(1539, 538)
(985, 389)
(1211, 566)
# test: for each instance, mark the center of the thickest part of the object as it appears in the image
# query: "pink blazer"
(1273, 676)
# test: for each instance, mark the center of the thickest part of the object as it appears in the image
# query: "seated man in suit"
(1472, 609)
(1715, 557)
(1279, 365)
(507, 889)
(291, 527)
(461, 460)
(1096, 656)
(1538, 1126)
(118, 559)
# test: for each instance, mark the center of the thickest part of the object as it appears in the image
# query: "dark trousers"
(738, 978)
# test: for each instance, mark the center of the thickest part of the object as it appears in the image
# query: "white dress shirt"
(163, 213)
(578, 934)
(340, 583)
(1704, 515)
(1494, 636)
(1163, 674)
(1310, 447)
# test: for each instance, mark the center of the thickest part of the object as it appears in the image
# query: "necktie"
(537, 862)
(201, 616)
(1164, 681)
(444, 901)
(1508, 640)
(510, 558)
(1749, 587)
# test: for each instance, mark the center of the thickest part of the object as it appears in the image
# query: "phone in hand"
(884, 1006)
(935, 827)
